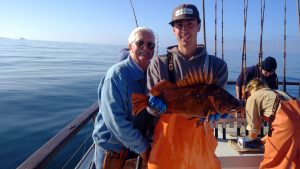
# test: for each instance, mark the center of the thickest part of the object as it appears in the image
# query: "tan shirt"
(259, 104)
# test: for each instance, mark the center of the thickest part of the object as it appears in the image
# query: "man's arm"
(115, 116)
(238, 92)
(238, 85)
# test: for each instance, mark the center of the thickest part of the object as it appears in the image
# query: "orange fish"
(194, 96)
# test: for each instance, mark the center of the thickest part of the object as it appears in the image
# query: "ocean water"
(45, 85)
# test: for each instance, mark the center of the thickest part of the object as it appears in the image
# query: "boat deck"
(230, 158)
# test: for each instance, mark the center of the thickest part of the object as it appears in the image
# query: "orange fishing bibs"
(282, 148)
(180, 144)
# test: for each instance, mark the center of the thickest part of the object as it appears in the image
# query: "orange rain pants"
(179, 144)
(282, 149)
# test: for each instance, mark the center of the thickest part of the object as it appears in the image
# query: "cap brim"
(186, 18)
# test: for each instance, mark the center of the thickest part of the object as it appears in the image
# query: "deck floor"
(230, 158)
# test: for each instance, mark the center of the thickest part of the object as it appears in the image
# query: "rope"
(262, 18)
(244, 55)
(222, 31)
(284, 50)
(216, 2)
(73, 155)
(136, 23)
(204, 30)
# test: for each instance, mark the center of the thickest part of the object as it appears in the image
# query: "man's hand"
(145, 155)
(254, 143)
(156, 106)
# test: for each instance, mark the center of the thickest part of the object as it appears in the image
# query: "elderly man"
(117, 132)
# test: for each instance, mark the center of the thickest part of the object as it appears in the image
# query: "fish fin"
(161, 86)
(139, 102)
(194, 77)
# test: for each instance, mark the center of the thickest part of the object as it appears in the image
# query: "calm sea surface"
(45, 85)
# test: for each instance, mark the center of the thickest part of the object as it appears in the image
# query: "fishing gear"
(204, 29)
(222, 31)
(244, 53)
(298, 7)
(136, 23)
(262, 19)
(284, 50)
(216, 2)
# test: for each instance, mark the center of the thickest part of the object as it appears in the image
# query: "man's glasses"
(140, 43)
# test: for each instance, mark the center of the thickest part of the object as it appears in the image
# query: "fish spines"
(194, 77)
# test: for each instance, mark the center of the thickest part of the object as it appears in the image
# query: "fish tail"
(139, 102)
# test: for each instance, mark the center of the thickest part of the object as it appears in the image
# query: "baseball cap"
(269, 64)
(185, 11)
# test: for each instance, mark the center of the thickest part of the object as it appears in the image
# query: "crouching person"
(118, 135)
(282, 144)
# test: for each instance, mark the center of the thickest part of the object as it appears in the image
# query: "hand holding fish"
(194, 96)
(156, 106)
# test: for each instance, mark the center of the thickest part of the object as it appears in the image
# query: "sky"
(111, 21)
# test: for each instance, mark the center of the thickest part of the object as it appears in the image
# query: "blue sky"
(110, 21)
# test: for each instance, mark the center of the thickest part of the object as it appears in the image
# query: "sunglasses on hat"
(140, 43)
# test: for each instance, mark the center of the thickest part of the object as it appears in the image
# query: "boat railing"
(47, 152)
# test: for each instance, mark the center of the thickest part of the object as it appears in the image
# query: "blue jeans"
(99, 156)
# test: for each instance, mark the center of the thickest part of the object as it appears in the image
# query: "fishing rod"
(298, 6)
(222, 31)
(136, 23)
(262, 18)
(284, 50)
(204, 30)
(244, 54)
(216, 2)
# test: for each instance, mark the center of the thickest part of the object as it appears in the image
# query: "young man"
(178, 142)
(267, 73)
(117, 131)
